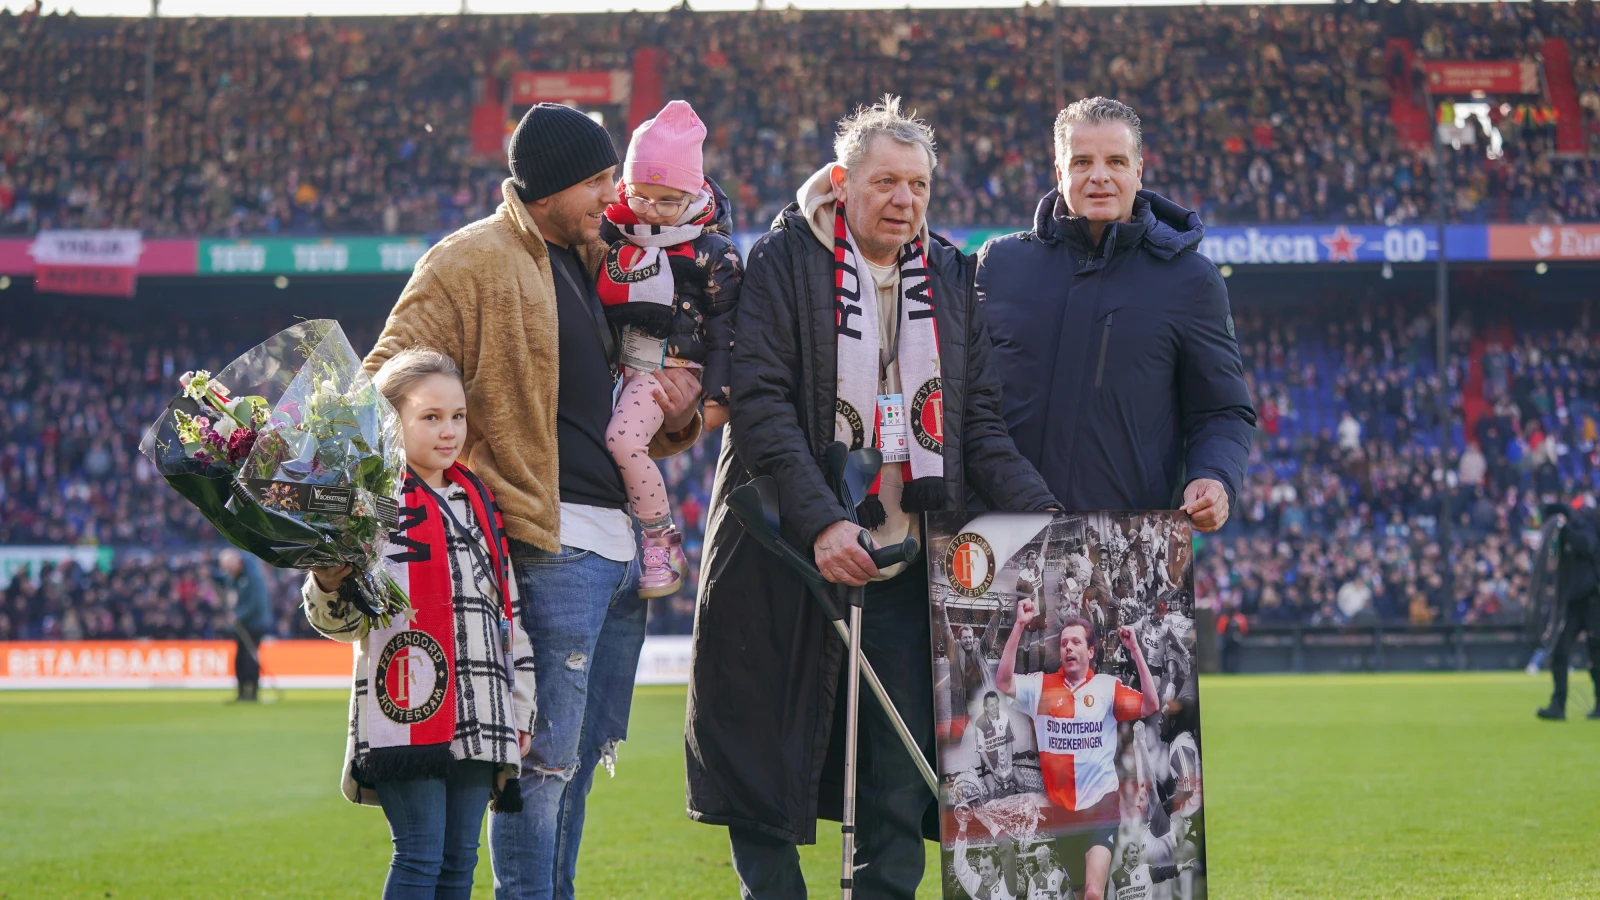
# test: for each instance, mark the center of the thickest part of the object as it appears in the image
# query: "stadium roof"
(184, 8)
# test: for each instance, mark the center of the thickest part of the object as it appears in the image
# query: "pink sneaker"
(665, 566)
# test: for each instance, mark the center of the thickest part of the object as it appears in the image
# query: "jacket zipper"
(1105, 342)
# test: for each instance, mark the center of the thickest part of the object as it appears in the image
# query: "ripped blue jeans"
(586, 623)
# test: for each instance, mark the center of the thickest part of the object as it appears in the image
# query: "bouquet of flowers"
(294, 455)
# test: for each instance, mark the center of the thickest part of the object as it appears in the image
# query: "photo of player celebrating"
(1137, 879)
(986, 881)
(1075, 712)
(1087, 633)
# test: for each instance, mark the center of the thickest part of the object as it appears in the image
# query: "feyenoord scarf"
(411, 698)
(859, 343)
(637, 270)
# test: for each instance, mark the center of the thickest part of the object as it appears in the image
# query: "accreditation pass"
(892, 437)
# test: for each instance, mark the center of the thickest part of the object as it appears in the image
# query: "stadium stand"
(1339, 522)
(1252, 114)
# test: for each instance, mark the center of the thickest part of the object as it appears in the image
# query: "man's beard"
(568, 220)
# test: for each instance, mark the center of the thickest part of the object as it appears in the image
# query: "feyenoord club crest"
(969, 564)
(927, 416)
(411, 677)
(1088, 700)
(852, 418)
(623, 254)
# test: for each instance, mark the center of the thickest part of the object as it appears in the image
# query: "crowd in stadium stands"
(77, 398)
(1341, 518)
(1339, 522)
(1252, 114)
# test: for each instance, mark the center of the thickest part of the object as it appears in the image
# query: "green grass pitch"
(1437, 786)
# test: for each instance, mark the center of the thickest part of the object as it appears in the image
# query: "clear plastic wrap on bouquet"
(295, 456)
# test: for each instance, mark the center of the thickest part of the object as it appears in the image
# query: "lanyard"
(894, 346)
(608, 341)
(478, 552)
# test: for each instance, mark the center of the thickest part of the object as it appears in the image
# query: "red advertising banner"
(97, 281)
(528, 88)
(163, 256)
(1508, 76)
(1544, 242)
(96, 262)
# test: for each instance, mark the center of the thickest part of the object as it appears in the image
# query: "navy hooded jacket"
(1120, 373)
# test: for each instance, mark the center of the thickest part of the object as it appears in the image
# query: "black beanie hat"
(556, 147)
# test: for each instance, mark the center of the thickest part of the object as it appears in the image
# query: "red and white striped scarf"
(860, 371)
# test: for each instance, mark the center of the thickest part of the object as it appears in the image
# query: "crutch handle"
(884, 557)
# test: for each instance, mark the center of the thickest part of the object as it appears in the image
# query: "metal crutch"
(755, 505)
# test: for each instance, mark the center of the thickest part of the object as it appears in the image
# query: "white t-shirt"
(605, 532)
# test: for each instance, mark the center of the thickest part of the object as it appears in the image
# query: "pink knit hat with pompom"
(666, 150)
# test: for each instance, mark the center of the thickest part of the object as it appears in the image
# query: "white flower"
(194, 384)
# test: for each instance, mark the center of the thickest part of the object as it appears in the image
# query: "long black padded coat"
(766, 661)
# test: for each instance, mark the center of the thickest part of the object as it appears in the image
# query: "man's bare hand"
(678, 396)
(714, 416)
(1026, 611)
(840, 558)
(1206, 502)
(1128, 638)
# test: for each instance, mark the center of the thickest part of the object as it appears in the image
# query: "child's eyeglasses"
(667, 208)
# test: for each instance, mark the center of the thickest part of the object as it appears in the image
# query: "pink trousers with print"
(634, 422)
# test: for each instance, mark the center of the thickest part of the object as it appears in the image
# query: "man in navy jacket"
(1113, 338)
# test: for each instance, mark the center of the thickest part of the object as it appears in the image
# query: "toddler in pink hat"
(671, 282)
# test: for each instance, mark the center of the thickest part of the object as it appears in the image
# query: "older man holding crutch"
(856, 326)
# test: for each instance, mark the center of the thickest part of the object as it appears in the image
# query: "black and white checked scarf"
(636, 269)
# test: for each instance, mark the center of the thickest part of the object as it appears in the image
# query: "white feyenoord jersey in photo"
(972, 882)
(1050, 886)
(1134, 885)
(996, 742)
(1076, 730)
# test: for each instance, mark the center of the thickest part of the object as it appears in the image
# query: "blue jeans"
(434, 823)
(586, 623)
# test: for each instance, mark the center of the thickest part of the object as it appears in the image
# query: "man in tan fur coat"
(511, 298)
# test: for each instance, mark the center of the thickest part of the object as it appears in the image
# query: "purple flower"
(240, 443)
